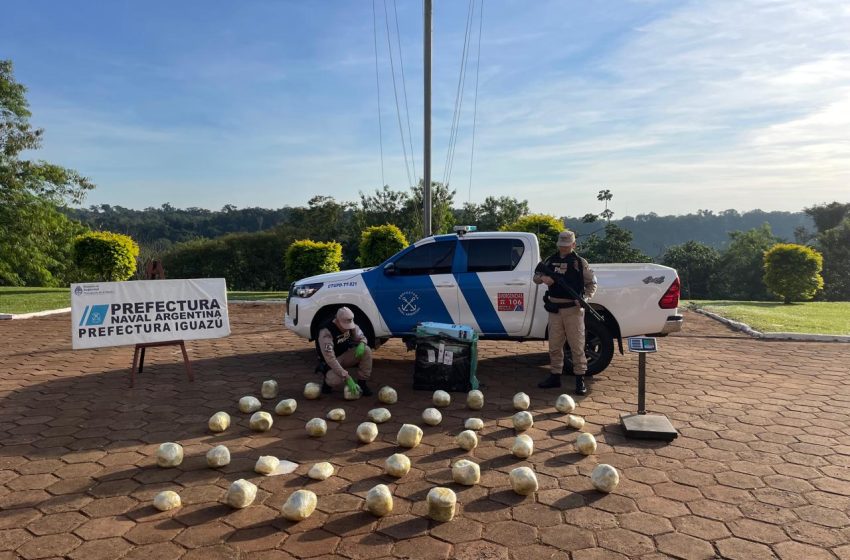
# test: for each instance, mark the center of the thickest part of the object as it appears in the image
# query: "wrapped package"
(409, 435)
(441, 504)
(261, 421)
(169, 454)
(218, 456)
(586, 444)
(432, 416)
(565, 404)
(605, 478)
(285, 407)
(521, 401)
(300, 505)
(241, 494)
(523, 446)
(312, 391)
(441, 398)
(379, 415)
(219, 422)
(337, 415)
(367, 432)
(474, 424)
(523, 420)
(379, 500)
(398, 465)
(316, 427)
(321, 471)
(575, 422)
(523, 481)
(269, 389)
(249, 404)
(350, 395)
(166, 500)
(467, 440)
(388, 395)
(475, 400)
(266, 464)
(466, 472)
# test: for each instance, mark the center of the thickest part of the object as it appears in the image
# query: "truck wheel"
(598, 347)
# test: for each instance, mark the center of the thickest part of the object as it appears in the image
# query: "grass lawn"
(819, 317)
(28, 300)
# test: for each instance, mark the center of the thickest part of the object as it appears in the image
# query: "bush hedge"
(307, 258)
(103, 256)
(793, 271)
(378, 243)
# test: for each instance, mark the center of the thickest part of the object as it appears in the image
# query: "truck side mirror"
(389, 269)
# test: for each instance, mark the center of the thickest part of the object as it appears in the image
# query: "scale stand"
(643, 425)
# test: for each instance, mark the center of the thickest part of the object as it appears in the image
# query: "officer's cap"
(566, 238)
(345, 318)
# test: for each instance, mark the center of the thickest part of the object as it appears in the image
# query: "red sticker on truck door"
(511, 301)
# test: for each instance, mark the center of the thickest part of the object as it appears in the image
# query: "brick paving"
(761, 469)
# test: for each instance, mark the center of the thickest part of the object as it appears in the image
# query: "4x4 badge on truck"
(408, 305)
(649, 279)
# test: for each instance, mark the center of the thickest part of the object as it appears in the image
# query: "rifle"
(543, 268)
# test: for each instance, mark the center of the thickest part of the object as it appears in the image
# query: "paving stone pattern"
(761, 469)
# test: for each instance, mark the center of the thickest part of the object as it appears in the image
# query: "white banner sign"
(119, 313)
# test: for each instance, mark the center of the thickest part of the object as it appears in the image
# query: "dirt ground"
(761, 468)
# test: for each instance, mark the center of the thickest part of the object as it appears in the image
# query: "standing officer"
(566, 316)
(341, 344)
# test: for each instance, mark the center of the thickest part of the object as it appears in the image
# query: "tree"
(103, 256)
(605, 196)
(828, 216)
(378, 243)
(35, 239)
(442, 216)
(792, 272)
(307, 258)
(696, 264)
(834, 244)
(614, 247)
(545, 226)
(493, 213)
(742, 265)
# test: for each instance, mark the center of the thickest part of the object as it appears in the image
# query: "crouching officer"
(341, 344)
(566, 316)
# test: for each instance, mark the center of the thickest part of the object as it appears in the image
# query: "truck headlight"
(307, 290)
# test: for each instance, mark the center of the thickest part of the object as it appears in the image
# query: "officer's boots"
(550, 382)
(364, 388)
(581, 388)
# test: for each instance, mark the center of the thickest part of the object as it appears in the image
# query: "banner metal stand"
(141, 363)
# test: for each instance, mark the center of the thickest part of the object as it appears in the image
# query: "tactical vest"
(343, 339)
(572, 270)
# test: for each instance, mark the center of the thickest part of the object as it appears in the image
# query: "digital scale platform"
(643, 425)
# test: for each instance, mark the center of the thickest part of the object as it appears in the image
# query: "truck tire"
(598, 347)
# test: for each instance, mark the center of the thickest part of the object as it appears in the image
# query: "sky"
(674, 106)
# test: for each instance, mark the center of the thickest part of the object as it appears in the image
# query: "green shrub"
(793, 271)
(545, 226)
(248, 261)
(105, 256)
(307, 258)
(378, 243)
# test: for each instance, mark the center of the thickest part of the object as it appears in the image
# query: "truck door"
(417, 286)
(495, 285)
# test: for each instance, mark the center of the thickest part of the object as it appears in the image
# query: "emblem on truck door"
(650, 279)
(408, 305)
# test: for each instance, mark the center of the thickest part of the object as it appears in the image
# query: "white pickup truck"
(483, 280)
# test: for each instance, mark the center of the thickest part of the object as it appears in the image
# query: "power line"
(404, 86)
(475, 105)
(395, 94)
(378, 84)
(458, 97)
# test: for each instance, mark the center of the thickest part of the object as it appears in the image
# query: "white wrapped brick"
(316, 427)
(261, 421)
(442, 503)
(169, 454)
(565, 404)
(312, 391)
(241, 494)
(523, 481)
(300, 505)
(249, 404)
(218, 456)
(409, 435)
(379, 415)
(266, 464)
(269, 389)
(432, 416)
(475, 400)
(575, 422)
(321, 471)
(441, 398)
(523, 446)
(474, 424)
(467, 440)
(586, 444)
(379, 500)
(398, 465)
(337, 415)
(521, 401)
(350, 395)
(286, 407)
(367, 432)
(466, 472)
(219, 422)
(605, 478)
(388, 395)
(166, 500)
(523, 420)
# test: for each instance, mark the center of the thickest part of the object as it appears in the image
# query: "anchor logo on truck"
(408, 305)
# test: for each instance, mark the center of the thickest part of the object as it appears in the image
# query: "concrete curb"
(257, 301)
(746, 329)
(35, 314)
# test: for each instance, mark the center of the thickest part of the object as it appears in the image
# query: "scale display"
(642, 344)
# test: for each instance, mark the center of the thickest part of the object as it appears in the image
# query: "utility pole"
(426, 198)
